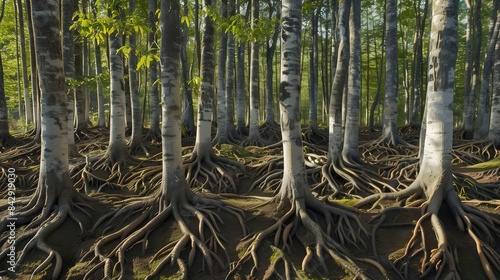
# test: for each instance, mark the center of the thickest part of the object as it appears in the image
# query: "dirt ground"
(389, 242)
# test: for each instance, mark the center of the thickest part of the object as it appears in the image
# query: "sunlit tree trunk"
(173, 183)
(205, 100)
(350, 151)
(222, 133)
(294, 185)
(35, 94)
(117, 145)
(240, 90)
(101, 120)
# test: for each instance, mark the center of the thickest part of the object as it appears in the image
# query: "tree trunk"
(4, 113)
(294, 185)
(482, 120)
(230, 71)
(27, 100)
(270, 50)
(188, 110)
(154, 130)
(135, 144)
(35, 94)
(350, 151)
(173, 183)
(339, 80)
(390, 130)
(117, 144)
(313, 72)
(240, 90)
(254, 138)
(205, 99)
(494, 132)
(101, 120)
(68, 9)
(222, 133)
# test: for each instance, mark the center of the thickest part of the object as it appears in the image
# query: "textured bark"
(417, 64)
(476, 37)
(222, 133)
(135, 102)
(101, 120)
(254, 137)
(80, 95)
(69, 65)
(294, 185)
(153, 72)
(170, 54)
(35, 94)
(350, 151)
(230, 75)
(240, 90)
(27, 100)
(494, 132)
(270, 50)
(482, 120)
(390, 133)
(205, 99)
(188, 109)
(339, 80)
(313, 72)
(117, 144)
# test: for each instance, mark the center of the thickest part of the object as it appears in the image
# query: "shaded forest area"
(253, 139)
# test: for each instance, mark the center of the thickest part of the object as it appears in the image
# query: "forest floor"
(390, 239)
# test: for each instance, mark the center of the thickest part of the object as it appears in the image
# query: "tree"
(4, 117)
(222, 136)
(494, 132)
(187, 104)
(435, 178)
(204, 167)
(174, 199)
(254, 138)
(295, 202)
(52, 203)
(27, 100)
(135, 144)
(390, 135)
(154, 127)
(482, 120)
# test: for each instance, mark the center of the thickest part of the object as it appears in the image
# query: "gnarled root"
(153, 212)
(211, 172)
(301, 221)
(52, 213)
(482, 228)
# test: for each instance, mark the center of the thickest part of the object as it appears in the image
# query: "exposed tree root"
(26, 155)
(255, 140)
(355, 178)
(315, 136)
(149, 214)
(42, 214)
(302, 221)
(211, 172)
(270, 131)
(482, 228)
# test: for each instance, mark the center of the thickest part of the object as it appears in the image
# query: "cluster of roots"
(331, 238)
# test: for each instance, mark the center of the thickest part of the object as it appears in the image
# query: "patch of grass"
(346, 201)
